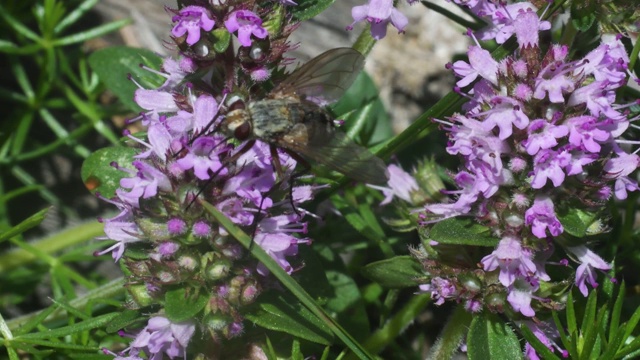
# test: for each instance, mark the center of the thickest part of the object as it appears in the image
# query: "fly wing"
(338, 152)
(326, 77)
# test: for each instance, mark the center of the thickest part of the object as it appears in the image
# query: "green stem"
(634, 55)
(106, 291)
(51, 244)
(365, 41)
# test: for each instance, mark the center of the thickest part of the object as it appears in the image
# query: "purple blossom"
(401, 184)
(203, 157)
(161, 336)
(513, 260)
(246, 23)
(441, 289)
(589, 261)
(523, 26)
(190, 20)
(541, 216)
(543, 135)
(379, 13)
(505, 114)
(145, 183)
(481, 63)
(555, 81)
(123, 229)
(584, 131)
(273, 235)
(205, 109)
(505, 20)
(548, 165)
(521, 294)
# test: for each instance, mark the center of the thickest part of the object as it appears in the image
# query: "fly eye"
(243, 131)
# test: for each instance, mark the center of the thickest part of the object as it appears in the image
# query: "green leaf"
(181, 306)
(491, 338)
(575, 221)
(99, 176)
(306, 9)
(112, 65)
(282, 312)
(124, 319)
(93, 323)
(30, 222)
(397, 272)
(461, 231)
(367, 122)
(583, 14)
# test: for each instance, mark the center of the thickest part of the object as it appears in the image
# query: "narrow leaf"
(283, 313)
(397, 272)
(96, 322)
(461, 231)
(32, 221)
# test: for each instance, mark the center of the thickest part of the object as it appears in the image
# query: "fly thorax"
(274, 117)
(238, 124)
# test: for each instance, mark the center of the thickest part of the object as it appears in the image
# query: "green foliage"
(397, 272)
(99, 176)
(114, 64)
(592, 330)
(491, 338)
(462, 231)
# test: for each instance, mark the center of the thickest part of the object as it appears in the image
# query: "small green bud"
(218, 270)
(154, 229)
(140, 295)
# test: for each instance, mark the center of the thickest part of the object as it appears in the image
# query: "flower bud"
(218, 270)
(140, 294)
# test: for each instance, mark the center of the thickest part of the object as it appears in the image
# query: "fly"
(291, 117)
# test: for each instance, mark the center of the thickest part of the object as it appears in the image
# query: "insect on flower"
(292, 118)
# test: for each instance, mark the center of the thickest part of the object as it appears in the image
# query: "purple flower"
(543, 135)
(588, 262)
(161, 336)
(520, 295)
(190, 20)
(123, 229)
(548, 165)
(440, 289)
(481, 63)
(541, 216)
(512, 259)
(205, 109)
(505, 114)
(273, 236)
(203, 157)
(246, 23)
(379, 13)
(144, 184)
(401, 184)
(585, 133)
